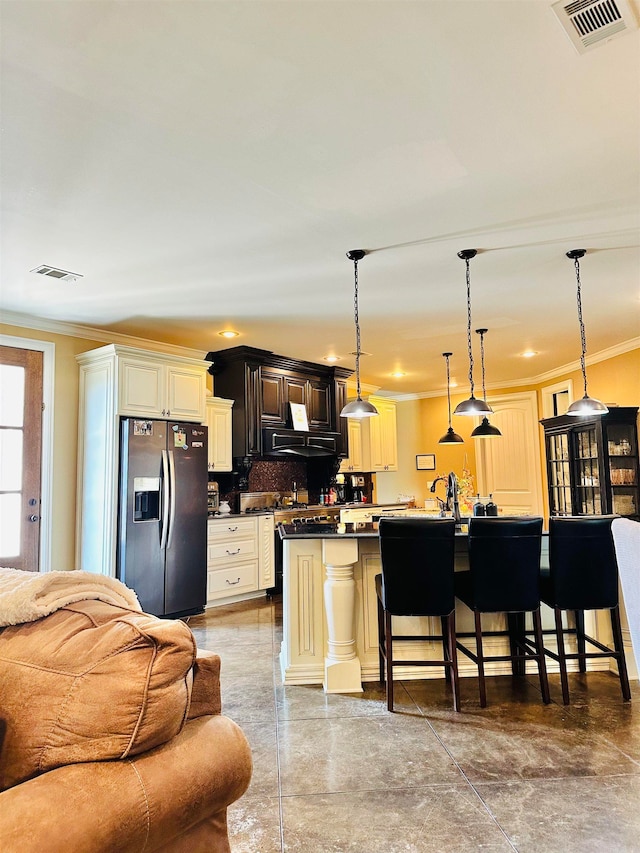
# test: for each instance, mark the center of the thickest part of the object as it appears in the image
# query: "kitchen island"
(330, 617)
(330, 621)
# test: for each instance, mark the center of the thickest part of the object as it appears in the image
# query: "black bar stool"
(583, 575)
(504, 577)
(417, 556)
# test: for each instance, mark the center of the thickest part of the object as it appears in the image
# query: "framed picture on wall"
(426, 462)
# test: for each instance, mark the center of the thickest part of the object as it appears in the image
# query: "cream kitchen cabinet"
(240, 557)
(354, 460)
(373, 442)
(161, 388)
(380, 437)
(218, 421)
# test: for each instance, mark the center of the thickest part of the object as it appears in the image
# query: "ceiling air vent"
(588, 23)
(54, 272)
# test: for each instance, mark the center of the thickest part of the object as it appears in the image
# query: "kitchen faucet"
(452, 504)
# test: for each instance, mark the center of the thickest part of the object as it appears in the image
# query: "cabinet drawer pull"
(233, 553)
(232, 529)
(233, 583)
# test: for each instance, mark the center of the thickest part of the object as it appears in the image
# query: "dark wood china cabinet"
(592, 464)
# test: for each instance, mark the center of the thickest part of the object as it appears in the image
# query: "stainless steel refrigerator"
(162, 515)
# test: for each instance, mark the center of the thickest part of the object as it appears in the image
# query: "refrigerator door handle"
(165, 501)
(172, 489)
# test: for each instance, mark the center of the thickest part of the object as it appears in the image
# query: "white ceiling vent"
(54, 272)
(588, 23)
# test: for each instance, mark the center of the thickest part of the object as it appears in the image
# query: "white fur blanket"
(27, 596)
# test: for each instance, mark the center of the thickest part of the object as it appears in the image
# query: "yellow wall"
(422, 422)
(65, 439)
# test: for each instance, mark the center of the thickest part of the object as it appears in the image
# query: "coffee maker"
(357, 486)
(213, 497)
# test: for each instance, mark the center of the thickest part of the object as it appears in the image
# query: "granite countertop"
(352, 530)
(349, 530)
(220, 516)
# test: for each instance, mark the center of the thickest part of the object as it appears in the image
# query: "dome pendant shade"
(473, 406)
(357, 408)
(587, 405)
(486, 430)
(451, 437)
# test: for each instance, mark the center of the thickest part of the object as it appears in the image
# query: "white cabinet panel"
(354, 461)
(237, 579)
(218, 420)
(157, 388)
(240, 556)
(142, 388)
(373, 442)
(266, 535)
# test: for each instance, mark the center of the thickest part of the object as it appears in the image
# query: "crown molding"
(73, 330)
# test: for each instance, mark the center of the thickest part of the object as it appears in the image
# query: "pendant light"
(357, 408)
(472, 406)
(484, 428)
(587, 405)
(450, 437)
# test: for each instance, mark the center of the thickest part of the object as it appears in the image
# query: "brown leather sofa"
(112, 737)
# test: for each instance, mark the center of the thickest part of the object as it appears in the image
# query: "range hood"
(290, 442)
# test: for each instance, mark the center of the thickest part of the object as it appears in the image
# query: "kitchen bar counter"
(330, 627)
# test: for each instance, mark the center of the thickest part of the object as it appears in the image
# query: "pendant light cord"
(583, 337)
(469, 326)
(357, 320)
(448, 390)
(484, 393)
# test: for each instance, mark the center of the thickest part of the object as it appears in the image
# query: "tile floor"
(339, 774)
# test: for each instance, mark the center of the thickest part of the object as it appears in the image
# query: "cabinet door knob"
(33, 518)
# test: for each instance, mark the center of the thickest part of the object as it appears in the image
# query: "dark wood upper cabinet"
(272, 410)
(263, 385)
(319, 406)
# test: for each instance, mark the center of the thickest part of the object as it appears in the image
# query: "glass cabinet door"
(622, 460)
(559, 474)
(587, 472)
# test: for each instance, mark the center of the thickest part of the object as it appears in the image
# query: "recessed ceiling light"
(331, 358)
(453, 384)
(529, 353)
(398, 373)
(228, 333)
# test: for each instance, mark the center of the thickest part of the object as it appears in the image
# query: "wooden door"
(20, 457)
(509, 466)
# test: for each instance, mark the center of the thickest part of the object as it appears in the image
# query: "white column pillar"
(342, 670)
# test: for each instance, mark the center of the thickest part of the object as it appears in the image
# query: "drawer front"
(239, 579)
(232, 550)
(232, 527)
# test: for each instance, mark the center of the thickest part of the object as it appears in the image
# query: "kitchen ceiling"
(206, 165)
